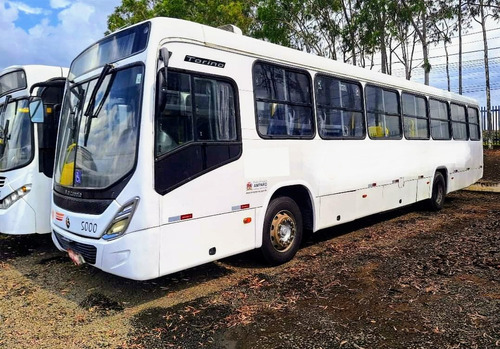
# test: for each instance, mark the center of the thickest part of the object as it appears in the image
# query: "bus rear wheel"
(436, 201)
(282, 233)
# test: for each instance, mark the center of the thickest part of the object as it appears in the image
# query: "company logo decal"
(59, 216)
(256, 187)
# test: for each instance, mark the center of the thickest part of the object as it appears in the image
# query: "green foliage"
(209, 12)
(350, 30)
(130, 12)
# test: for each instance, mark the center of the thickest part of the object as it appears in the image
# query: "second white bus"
(27, 151)
(181, 144)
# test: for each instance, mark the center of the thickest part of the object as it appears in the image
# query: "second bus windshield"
(15, 135)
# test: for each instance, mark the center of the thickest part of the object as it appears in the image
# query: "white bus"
(26, 151)
(181, 144)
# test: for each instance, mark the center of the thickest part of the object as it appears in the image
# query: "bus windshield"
(99, 129)
(16, 148)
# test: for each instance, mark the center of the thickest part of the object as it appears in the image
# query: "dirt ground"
(408, 278)
(492, 165)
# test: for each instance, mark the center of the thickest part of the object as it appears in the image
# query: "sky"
(53, 32)
(472, 63)
(50, 32)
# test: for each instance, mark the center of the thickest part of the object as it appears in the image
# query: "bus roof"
(34, 73)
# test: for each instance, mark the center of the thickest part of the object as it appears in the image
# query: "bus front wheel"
(282, 232)
(436, 201)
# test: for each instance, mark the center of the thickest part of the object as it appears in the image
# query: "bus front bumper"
(18, 219)
(130, 256)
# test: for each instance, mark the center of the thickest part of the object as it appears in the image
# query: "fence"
(495, 124)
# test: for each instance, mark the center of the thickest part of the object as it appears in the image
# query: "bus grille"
(2, 181)
(88, 252)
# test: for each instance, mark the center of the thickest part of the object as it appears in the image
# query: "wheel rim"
(282, 232)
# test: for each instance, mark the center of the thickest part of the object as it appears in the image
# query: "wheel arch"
(444, 171)
(301, 194)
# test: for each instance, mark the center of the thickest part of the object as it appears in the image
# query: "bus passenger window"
(416, 125)
(473, 121)
(383, 116)
(458, 122)
(283, 102)
(440, 122)
(340, 108)
(194, 109)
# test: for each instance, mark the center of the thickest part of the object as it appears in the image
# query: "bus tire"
(436, 201)
(282, 232)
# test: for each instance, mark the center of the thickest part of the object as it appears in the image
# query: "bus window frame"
(17, 88)
(450, 131)
(427, 118)
(478, 125)
(362, 111)
(399, 114)
(466, 122)
(158, 160)
(283, 102)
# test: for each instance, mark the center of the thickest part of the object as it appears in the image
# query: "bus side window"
(340, 108)
(440, 122)
(473, 122)
(383, 118)
(283, 102)
(459, 122)
(174, 117)
(416, 120)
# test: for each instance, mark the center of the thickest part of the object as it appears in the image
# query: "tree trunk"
(447, 65)
(487, 75)
(425, 50)
(383, 47)
(460, 90)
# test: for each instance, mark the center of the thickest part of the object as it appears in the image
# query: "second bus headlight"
(15, 196)
(121, 220)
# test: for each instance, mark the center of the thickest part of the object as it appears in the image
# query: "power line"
(480, 31)
(476, 63)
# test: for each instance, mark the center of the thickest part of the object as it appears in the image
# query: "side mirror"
(37, 114)
(164, 57)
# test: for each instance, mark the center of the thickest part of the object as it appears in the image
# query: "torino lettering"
(204, 61)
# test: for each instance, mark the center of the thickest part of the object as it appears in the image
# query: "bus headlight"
(15, 196)
(121, 220)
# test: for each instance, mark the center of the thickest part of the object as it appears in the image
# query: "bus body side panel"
(30, 214)
(189, 243)
(203, 220)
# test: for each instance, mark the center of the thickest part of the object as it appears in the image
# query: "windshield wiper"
(4, 129)
(89, 112)
(90, 107)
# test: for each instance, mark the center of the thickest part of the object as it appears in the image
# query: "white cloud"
(56, 4)
(28, 9)
(56, 39)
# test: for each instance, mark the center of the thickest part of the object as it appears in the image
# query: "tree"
(445, 29)
(406, 39)
(209, 12)
(375, 20)
(130, 12)
(480, 12)
(424, 14)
